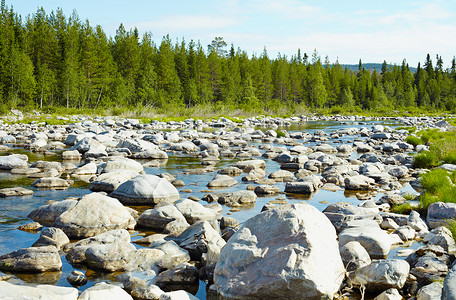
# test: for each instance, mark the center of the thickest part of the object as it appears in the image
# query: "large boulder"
(146, 189)
(10, 291)
(194, 211)
(32, 260)
(52, 236)
(12, 162)
(449, 285)
(47, 214)
(287, 252)
(94, 214)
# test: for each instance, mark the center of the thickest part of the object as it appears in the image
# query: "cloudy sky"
(347, 30)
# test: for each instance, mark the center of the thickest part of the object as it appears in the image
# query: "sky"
(343, 30)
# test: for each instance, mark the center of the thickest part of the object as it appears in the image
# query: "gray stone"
(32, 260)
(376, 241)
(94, 214)
(382, 274)
(47, 214)
(146, 189)
(222, 181)
(157, 218)
(354, 256)
(439, 213)
(52, 236)
(51, 183)
(287, 252)
(104, 290)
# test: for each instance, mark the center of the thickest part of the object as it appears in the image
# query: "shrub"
(404, 208)
(280, 133)
(413, 140)
(425, 159)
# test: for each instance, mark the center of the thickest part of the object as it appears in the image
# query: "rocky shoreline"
(289, 250)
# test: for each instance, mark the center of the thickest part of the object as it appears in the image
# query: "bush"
(439, 187)
(280, 133)
(404, 208)
(425, 159)
(413, 140)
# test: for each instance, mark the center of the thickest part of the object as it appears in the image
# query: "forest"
(54, 61)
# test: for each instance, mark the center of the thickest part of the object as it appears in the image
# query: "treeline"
(58, 61)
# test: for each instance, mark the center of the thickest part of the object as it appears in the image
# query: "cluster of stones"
(290, 251)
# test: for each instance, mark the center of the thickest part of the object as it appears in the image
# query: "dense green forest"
(51, 60)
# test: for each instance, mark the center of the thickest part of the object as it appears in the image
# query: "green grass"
(452, 227)
(280, 133)
(404, 208)
(442, 148)
(414, 140)
(425, 159)
(438, 186)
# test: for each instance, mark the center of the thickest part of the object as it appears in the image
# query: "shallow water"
(14, 210)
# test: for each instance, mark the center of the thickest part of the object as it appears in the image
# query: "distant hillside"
(372, 67)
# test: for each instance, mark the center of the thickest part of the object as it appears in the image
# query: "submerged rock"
(32, 260)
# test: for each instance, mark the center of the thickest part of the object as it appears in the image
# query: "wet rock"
(52, 236)
(232, 171)
(47, 214)
(157, 218)
(237, 198)
(146, 189)
(359, 182)
(250, 164)
(183, 274)
(273, 231)
(77, 278)
(104, 290)
(449, 285)
(228, 222)
(51, 183)
(71, 155)
(15, 192)
(382, 274)
(94, 214)
(32, 260)
(33, 226)
(265, 189)
(222, 181)
(150, 154)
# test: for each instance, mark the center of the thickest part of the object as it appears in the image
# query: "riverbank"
(130, 194)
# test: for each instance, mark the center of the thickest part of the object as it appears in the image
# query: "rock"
(77, 278)
(52, 236)
(109, 251)
(389, 294)
(94, 214)
(183, 274)
(405, 232)
(265, 189)
(177, 295)
(359, 182)
(354, 256)
(47, 214)
(194, 211)
(51, 183)
(150, 154)
(15, 192)
(202, 242)
(33, 226)
(146, 189)
(175, 255)
(87, 169)
(222, 181)
(441, 236)
(286, 252)
(376, 241)
(281, 175)
(228, 222)
(414, 220)
(449, 285)
(121, 164)
(233, 171)
(157, 218)
(104, 290)
(439, 213)
(250, 164)
(237, 198)
(306, 185)
(32, 260)
(431, 291)
(12, 162)
(382, 274)
(108, 182)
(71, 155)
(9, 291)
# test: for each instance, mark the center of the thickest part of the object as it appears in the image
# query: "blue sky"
(346, 30)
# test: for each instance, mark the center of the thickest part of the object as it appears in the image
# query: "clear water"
(14, 210)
